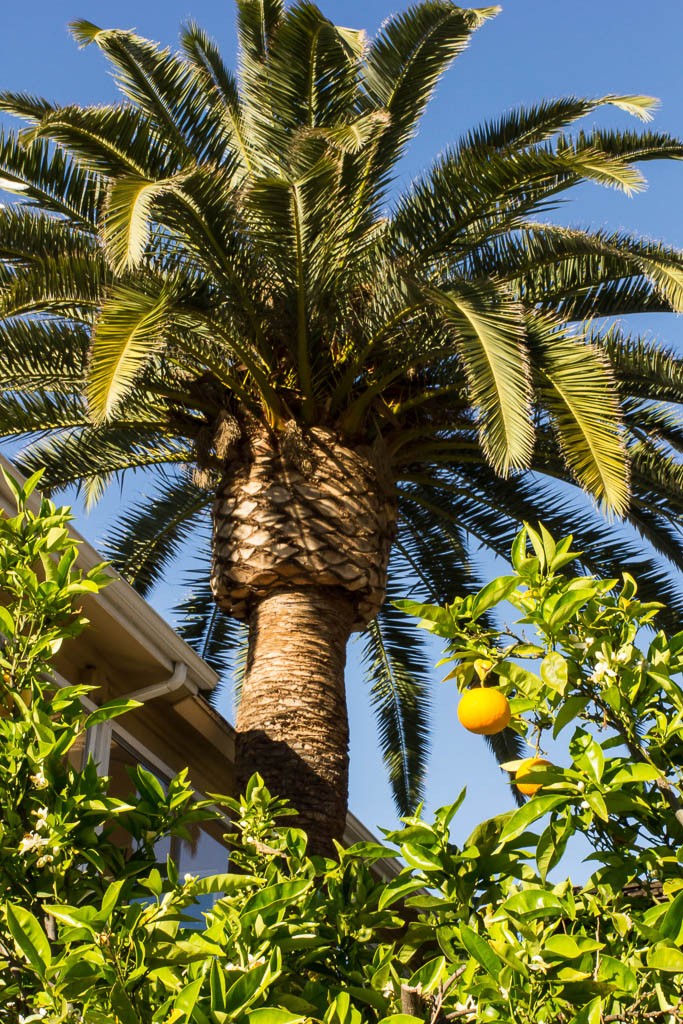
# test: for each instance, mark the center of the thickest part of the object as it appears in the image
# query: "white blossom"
(39, 780)
(32, 841)
(603, 670)
(41, 818)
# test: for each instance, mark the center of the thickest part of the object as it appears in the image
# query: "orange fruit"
(524, 770)
(484, 710)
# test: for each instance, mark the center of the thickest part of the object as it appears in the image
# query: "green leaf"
(481, 951)
(401, 1018)
(398, 889)
(587, 754)
(429, 975)
(122, 1006)
(533, 903)
(528, 813)
(567, 606)
(636, 773)
(29, 937)
(597, 804)
(6, 622)
(431, 613)
(554, 672)
(591, 1013)
(112, 709)
(672, 922)
(493, 593)
(551, 846)
(246, 989)
(570, 709)
(110, 899)
(564, 946)
(665, 957)
(616, 974)
(421, 858)
(270, 900)
(272, 1015)
(186, 999)
(224, 883)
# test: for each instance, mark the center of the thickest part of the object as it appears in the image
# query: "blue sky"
(534, 49)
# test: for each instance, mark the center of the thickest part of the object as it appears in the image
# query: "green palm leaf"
(578, 391)
(492, 346)
(129, 330)
(49, 178)
(527, 126)
(218, 639)
(406, 60)
(397, 671)
(150, 535)
(128, 216)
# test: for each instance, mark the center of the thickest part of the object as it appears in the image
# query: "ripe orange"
(484, 710)
(524, 770)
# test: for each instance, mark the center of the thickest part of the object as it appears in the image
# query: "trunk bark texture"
(292, 723)
(302, 509)
(303, 526)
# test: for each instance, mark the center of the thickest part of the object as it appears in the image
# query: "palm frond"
(128, 213)
(50, 179)
(644, 367)
(577, 389)
(149, 535)
(492, 511)
(87, 455)
(27, 236)
(217, 638)
(39, 413)
(527, 126)
(108, 140)
(219, 87)
(257, 23)
(406, 61)
(67, 286)
(128, 330)
(467, 196)
(397, 671)
(161, 85)
(492, 345)
(42, 355)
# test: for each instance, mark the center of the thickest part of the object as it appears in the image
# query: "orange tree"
(472, 930)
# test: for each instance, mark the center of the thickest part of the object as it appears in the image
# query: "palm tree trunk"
(303, 526)
(292, 724)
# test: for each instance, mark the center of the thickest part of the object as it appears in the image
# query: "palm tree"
(214, 282)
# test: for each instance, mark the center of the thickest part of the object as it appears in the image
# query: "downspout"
(98, 740)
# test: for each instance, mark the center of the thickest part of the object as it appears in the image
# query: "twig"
(441, 995)
(629, 1014)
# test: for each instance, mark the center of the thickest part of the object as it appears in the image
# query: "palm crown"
(219, 251)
